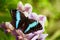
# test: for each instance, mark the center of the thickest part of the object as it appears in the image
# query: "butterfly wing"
(33, 26)
(24, 23)
(13, 16)
(17, 16)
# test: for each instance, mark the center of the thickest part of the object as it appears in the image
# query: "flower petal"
(30, 35)
(33, 16)
(39, 31)
(40, 37)
(20, 6)
(8, 25)
(43, 36)
(35, 37)
(26, 14)
(28, 8)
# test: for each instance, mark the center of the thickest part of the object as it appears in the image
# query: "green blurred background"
(49, 8)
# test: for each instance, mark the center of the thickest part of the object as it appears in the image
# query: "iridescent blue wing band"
(31, 26)
(18, 18)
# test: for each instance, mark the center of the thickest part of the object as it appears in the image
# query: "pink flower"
(32, 15)
(27, 7)
(27, 10)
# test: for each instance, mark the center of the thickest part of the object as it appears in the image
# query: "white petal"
(30, 35)
(43, 36)
(9, 26)
(35, 37)
(33, 16)
(20, 6)
(26, 13)
(39, 31)
(28, 8)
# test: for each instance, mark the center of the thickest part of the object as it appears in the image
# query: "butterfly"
(20, 21)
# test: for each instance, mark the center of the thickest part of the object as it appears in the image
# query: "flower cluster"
(27, 10)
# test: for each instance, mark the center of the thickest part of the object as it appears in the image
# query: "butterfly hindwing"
(35, 28)
(31, 26)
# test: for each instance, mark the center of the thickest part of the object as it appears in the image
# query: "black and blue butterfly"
(20, 21)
